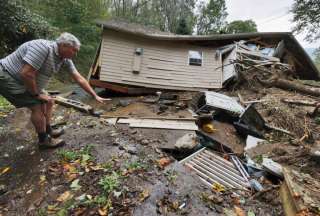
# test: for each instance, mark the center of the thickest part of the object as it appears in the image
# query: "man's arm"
(28, 75)
(86, 86)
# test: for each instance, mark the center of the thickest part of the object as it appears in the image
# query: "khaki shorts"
(15, 92)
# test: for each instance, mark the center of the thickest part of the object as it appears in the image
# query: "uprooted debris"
(238, 150)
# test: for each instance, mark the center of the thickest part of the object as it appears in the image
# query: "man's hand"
(44, 97)
(100, 99)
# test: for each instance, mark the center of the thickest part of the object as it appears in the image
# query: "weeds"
(5, 105)
(83, 154)
(171, 175)
(136, 165)
(109, 182)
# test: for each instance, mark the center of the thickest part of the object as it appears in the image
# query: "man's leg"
(48, 108)
(38, 119)
(48, 114)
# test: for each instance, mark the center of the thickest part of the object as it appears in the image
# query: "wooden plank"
(150, 118)
(120, 88)
(156, 123)
(113, 87)
(164, 126)
(257, 54)
(292, 196)
(155, 86)
(155, 119)
(172, 80)
(95, 62)
(126, 70)
(300, 102)
(73, 103)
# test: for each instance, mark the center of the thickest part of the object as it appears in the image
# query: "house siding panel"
(164, 64)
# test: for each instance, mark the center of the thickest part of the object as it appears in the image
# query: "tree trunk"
(291, 85)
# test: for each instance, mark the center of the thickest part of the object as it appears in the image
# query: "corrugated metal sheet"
(224, 102)
(212, 169)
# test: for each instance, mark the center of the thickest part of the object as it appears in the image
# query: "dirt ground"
(115, 170)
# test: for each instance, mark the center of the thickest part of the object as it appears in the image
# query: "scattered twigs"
(299, 102)
(260, 193)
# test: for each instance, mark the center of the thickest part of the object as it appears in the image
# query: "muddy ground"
(115, 170)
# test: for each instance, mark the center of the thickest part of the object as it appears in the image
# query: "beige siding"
(164, 64)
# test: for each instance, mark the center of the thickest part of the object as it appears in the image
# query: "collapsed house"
(132, 57)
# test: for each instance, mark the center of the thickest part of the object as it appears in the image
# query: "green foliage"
(212, 17)
(166, 15)
(67, 155)
(77, 17)
(4, 104)
(136, 165)
(306, 18)
(239, 26)
(19, 25)
(183, 28)
(171, 175)
(109, 182)
(83, 154)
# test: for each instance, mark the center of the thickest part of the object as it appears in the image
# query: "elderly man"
(25, 73)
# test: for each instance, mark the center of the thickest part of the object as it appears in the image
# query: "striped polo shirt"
(42, 55)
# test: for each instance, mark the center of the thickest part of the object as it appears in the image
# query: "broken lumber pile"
(253, 66)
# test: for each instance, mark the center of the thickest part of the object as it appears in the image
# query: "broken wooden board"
(73, 103)
(226, 136)
(299, 102)
(300, 194)
(157, 123)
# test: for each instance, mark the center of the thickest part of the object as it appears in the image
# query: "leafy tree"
(239, 26)
(166, 15)
(19, 25)
(306, 16)
(77, 17)
(183, 28)
(212, 16)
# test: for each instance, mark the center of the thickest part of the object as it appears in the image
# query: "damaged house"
(132, 57)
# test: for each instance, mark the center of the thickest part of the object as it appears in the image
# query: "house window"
(195, 58)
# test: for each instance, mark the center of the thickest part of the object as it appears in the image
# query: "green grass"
(136, 165)
(109, 182)
(5, 105)
(83, 154)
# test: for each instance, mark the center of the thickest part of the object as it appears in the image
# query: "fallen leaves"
(218, 187)
(75, 185)
(67, 195)
(144, 195)
(163, 162)
(239, 211)
(103, 212)
(5, 170)
(42, 179)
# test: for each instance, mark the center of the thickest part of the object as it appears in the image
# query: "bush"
(19, 25)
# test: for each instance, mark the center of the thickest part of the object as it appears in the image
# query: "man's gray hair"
(69, 39)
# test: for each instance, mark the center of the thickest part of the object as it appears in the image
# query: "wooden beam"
(73, 103)
(95, 63)
(120, 88)
(106, 85)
